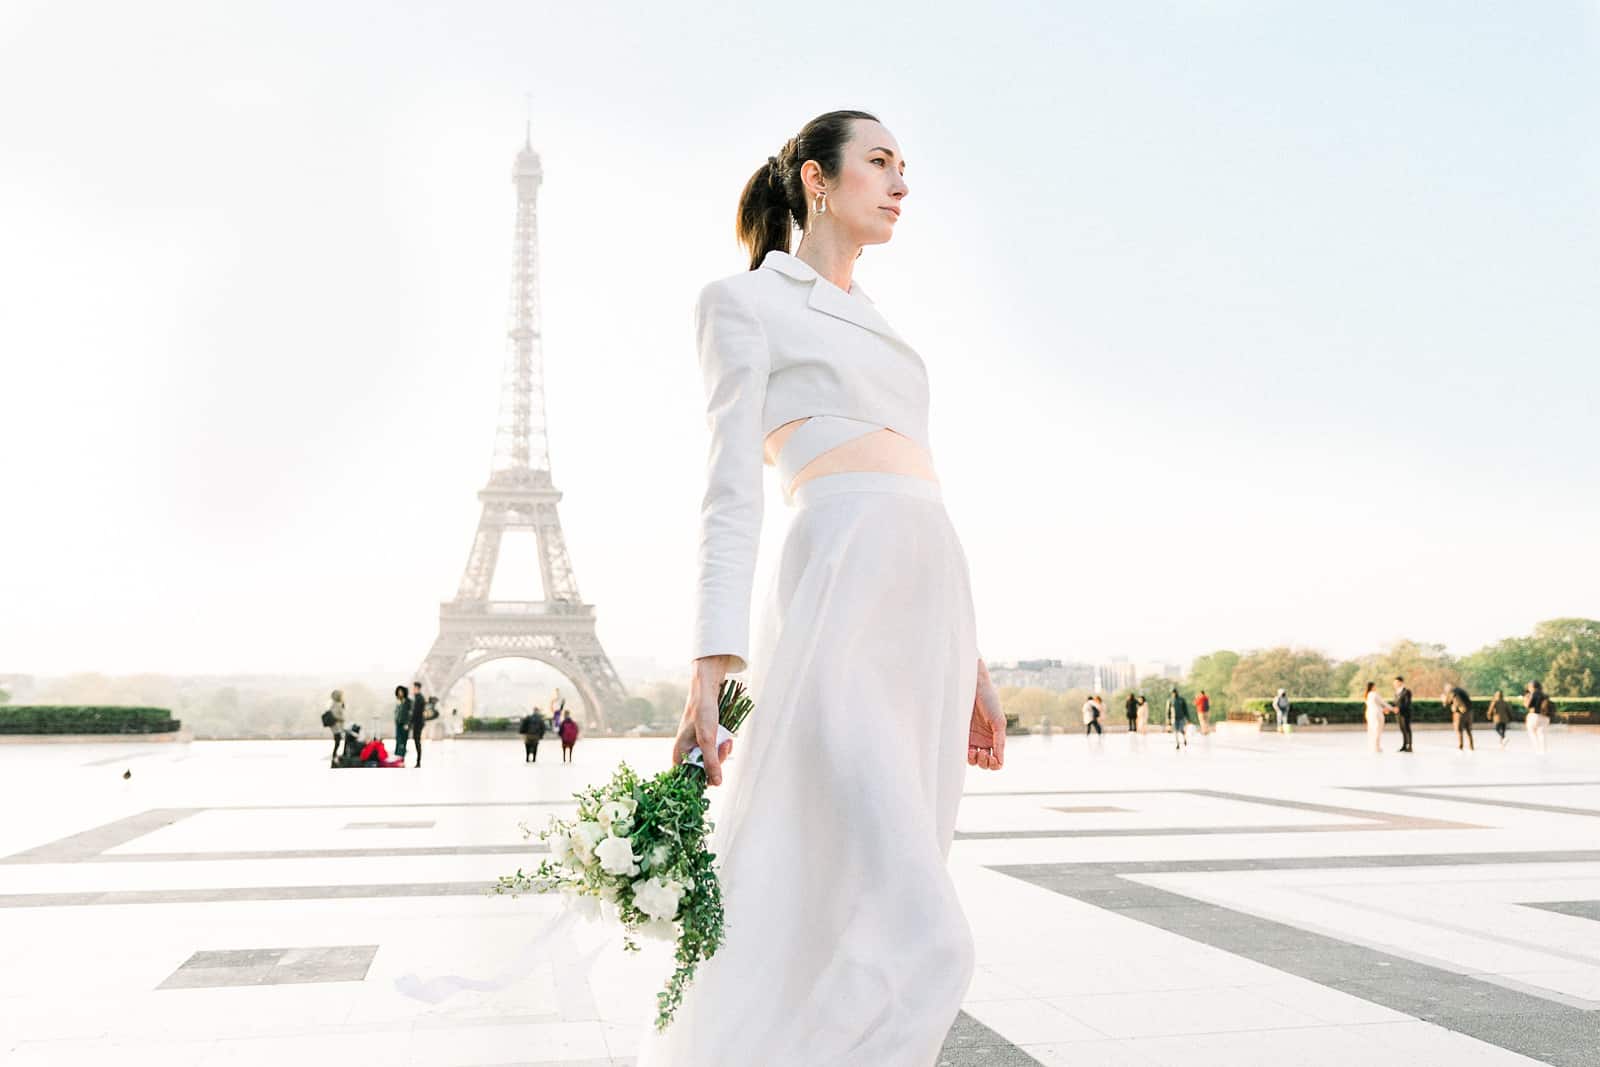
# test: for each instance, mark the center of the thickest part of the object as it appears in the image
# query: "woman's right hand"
(699, 723)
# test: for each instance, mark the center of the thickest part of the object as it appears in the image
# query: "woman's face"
(865, 196)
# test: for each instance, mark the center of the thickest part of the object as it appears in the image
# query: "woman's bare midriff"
(884, 451)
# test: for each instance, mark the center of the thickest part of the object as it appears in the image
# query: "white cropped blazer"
(776, 344)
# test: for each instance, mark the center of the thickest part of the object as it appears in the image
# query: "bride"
(844, 943)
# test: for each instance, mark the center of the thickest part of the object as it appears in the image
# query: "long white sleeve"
(734, 365)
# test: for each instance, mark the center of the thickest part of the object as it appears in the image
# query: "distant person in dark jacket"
(419, 718)
(1402, 712)
(1500, 715)
(1178, 715)
(402, 720)
(1460, 706)
(1130, 707)
(533, 728)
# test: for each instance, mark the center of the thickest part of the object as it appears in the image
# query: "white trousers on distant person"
(1536, 725)
(845, 941)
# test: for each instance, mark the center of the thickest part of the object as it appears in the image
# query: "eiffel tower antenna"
(558, 630)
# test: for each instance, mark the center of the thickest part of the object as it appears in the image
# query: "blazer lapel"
(829, 298)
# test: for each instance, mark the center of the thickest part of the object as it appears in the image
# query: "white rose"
(585, 836)
(616, 856)
(616, 817)
(657, 897)
(560, 847)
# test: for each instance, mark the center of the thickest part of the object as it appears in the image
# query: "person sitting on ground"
(374, 754)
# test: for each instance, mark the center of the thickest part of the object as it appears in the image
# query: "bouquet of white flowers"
(637, 852)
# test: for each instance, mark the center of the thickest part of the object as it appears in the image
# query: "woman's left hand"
(986, 738)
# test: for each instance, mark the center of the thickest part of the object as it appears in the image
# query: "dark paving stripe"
(222, 896)
(1433, 793)
(311, 853)
(214, 969)
(1520, 1022)
(1583, 909)
(91, 843)
(1371, 820)
(91, 846)
(972, 1044)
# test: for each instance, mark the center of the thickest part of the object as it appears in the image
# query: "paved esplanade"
(1252, 900)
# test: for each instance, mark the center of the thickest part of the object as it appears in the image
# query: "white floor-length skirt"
(844, 941)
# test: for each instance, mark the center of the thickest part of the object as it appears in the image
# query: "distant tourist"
(557, 717)
(533, 727)
(1131, 708)
(1091, 715)
(1460, 706)
(1178, 716)
(1281, 710)
(402, 719)
(419, 719)
(1402, 712)
(374, 754)
(1500, 715)
(1537, 701)
(1142, 722)
(1202, 711)
(569, 737)
(558, 703)
(1377, 708)
(333, 718)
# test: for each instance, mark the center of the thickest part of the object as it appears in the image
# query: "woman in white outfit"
(845, 942)
(1377, 708)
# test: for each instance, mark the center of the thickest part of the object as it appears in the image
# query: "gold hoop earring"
(820, 204)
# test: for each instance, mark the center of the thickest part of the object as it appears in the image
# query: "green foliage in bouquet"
(639, 846)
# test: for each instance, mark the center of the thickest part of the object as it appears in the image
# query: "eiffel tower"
(520, 496)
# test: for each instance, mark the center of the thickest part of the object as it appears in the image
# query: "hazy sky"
(1248, 323)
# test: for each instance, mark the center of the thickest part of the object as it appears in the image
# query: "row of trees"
(1562, 653)
(289, 707)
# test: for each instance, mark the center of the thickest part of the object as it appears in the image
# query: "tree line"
(1564, 654)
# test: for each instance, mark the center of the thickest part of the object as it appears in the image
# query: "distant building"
(1118, 674)
(1155, 669)
(1050, 674)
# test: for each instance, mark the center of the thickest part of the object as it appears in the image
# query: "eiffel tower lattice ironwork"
(520, 496)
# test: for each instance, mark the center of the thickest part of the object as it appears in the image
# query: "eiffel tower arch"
(521, 497)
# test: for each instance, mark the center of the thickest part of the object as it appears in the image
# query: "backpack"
(327, 717)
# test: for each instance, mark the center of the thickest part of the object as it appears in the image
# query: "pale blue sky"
(1248, 323)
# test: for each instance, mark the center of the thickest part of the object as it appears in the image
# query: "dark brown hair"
(774, 199)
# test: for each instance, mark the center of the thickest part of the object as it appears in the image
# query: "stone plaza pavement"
(1255, 899)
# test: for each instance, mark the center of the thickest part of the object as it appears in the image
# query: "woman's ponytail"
(773, 203)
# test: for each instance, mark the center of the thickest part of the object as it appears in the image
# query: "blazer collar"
(854, 306)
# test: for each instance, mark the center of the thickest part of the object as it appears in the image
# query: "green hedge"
(1576, 710)
(474, 725)
(51, 719)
